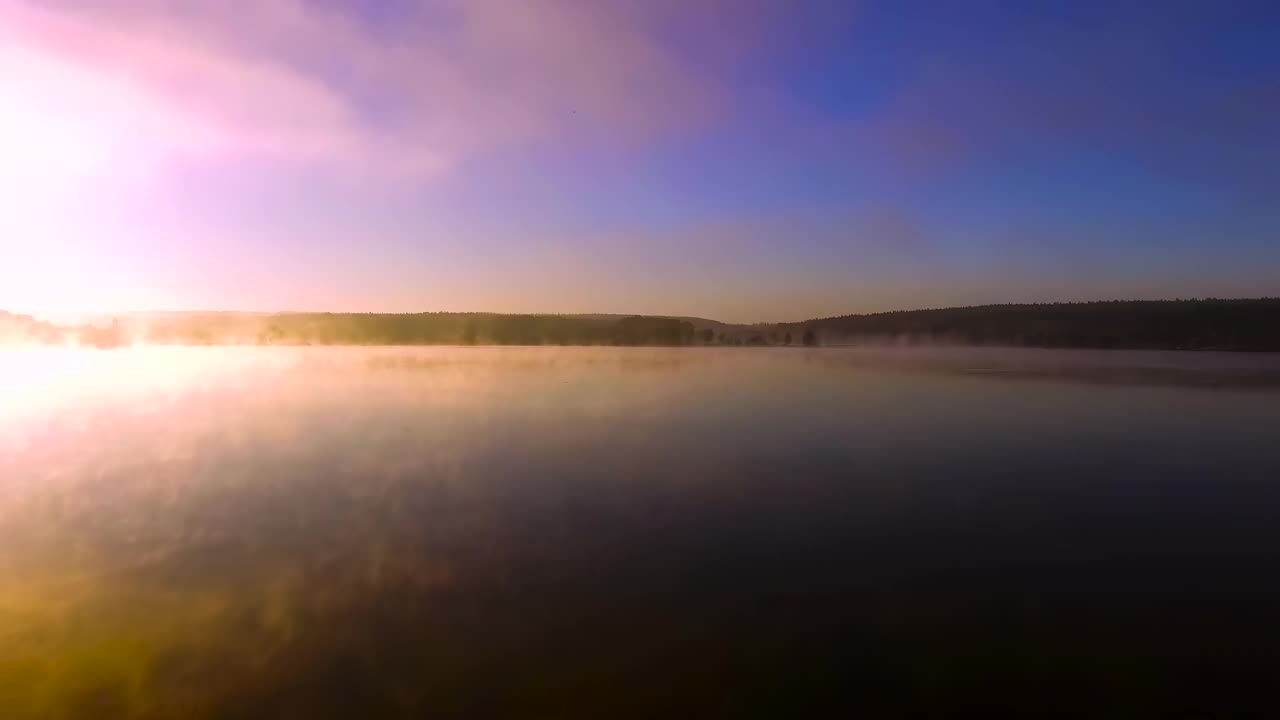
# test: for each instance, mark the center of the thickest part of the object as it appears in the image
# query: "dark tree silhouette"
(1181, 324)
(1208, 324)
(410, 329)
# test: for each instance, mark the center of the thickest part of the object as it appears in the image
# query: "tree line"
(1209, 324)
(400, 329)
(1198, 324)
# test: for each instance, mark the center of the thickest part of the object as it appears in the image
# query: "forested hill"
(1252, 325)
(1176, 324)
(388, 329)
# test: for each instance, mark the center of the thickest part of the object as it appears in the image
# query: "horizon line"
(88, 317)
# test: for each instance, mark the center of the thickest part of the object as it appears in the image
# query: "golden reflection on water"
(189, 532)
(158, 549)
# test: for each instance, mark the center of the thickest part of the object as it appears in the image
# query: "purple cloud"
(438, 83)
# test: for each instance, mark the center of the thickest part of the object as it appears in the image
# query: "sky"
(745, 160)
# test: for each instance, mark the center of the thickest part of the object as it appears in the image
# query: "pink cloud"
(300, 81)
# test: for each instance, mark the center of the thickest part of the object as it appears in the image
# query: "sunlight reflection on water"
(204, 532)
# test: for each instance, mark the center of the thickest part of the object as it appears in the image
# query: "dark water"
(577, 532)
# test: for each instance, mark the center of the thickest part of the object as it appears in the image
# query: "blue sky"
(751, 160)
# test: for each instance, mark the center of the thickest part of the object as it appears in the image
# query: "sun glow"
(77, 143)
(47, 164)
(54, 158)
(44, 388)
(46, 151)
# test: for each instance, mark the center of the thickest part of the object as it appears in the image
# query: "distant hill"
(1240, 325)
(300, 328)
(698, 323)
(1210, 324)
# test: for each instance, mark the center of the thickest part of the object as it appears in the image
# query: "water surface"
(390, 532)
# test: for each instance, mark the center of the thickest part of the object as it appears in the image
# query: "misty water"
(392, 532)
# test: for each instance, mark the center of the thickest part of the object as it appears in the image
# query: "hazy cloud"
(414, 92)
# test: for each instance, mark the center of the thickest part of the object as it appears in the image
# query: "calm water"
(306, 533)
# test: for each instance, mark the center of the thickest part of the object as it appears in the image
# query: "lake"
(600, 532)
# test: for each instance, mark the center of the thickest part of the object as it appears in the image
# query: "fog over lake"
(412, 532)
